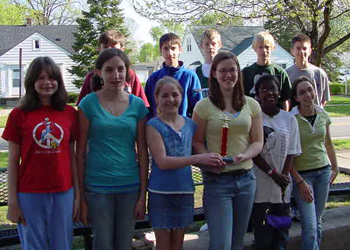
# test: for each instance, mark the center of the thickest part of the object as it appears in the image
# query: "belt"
(313, 170)
(239, 172)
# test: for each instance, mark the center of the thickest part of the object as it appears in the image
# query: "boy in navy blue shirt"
(170, 48)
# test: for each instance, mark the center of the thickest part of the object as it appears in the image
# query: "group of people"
(105, 178)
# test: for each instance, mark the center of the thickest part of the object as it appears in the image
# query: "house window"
(189, 45)
(36, 44)
(15, 78)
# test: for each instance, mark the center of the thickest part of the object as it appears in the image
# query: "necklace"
(110, 108)
(230, 115)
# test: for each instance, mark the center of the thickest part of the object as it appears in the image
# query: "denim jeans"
(266, 237)
(311, 213)
(49, 218)
(228, 202)
(112, 219)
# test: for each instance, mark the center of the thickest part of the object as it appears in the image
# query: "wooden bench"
(10, 237)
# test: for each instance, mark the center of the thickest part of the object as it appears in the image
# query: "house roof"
(61, 35)
(234, 38)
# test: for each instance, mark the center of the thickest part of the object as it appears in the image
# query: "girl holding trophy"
(228, 123)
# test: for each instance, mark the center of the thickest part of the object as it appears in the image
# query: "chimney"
(29, 22)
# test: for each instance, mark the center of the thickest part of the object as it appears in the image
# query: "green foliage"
(218, 18)
(103, 15)
(325, 22)
(337, 88)
(149, 53)
(51, 12)
(72, 97)
(13, 14)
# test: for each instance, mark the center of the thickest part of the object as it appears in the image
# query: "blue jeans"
(311, 213)
(112, 219)
(49, 218)
(228, 202)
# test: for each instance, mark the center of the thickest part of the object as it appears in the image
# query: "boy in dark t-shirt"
(263, 45)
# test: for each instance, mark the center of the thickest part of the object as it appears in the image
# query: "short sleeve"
(142, 109)
(202, 109)
(286, 89)
(294, 142)
(328, 119)
(12, 130)
(195, 95)
(254, 106)
(74, 128)
(85, 105)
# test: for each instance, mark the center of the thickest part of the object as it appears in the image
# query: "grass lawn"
(338, 111)
(341, 144)
(3, 159)
(3, 120)
(335, 99)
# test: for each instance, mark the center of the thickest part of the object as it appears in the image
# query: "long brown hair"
(215, 94)
(295, 85)
(31, 100)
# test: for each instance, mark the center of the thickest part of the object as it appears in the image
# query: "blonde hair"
(210, 34)
(162, 82)
(264, 37)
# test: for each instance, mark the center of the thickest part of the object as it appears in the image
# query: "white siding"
(48, 48)
(195, 54)
(279, 56)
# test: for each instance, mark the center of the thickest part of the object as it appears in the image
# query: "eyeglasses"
(225, 71)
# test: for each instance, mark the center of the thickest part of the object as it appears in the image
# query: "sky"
(144, 25)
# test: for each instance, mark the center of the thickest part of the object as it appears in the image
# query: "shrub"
(72, 97)
(337, 88)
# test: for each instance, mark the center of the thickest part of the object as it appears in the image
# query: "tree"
(103, 15)
(148, 53)
(284, 30)
(47, 12)
(216, 18)
(311, 17)
(156, 32)
(13, 14)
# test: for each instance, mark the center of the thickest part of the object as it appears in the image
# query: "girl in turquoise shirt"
(114, 175)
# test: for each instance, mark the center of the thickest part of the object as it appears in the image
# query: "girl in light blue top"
(169, 138)
(114, 176)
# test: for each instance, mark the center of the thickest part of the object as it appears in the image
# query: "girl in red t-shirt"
(42, 169)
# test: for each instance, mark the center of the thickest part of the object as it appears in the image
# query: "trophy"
(224, 135)
(224, 139)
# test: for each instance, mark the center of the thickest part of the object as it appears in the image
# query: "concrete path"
(336, 231)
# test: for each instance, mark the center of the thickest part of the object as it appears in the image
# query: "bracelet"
(298, 183)
(271, 172)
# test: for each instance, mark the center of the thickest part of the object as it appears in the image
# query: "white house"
(46, 40)
(345, 69)
(236, 39)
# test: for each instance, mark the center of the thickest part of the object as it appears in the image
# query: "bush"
(337, 88)
(72, 97)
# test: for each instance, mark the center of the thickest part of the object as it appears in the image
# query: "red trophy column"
(224, 136)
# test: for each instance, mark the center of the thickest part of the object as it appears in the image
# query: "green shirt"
(312, 138)
(252, 74)
(204, 80)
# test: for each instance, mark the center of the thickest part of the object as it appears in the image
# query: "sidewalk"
(336, 225)
(336, 231)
